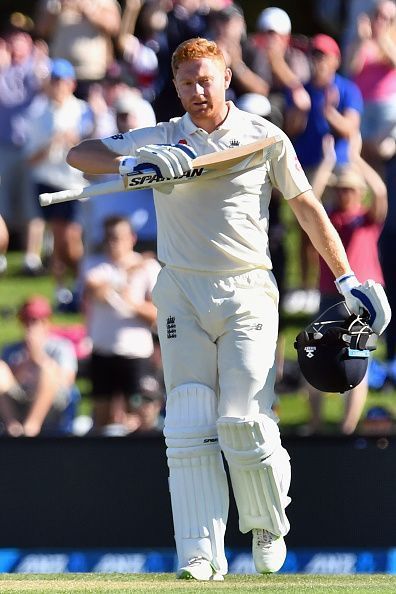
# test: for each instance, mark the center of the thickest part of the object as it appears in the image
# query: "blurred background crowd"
(74, 69)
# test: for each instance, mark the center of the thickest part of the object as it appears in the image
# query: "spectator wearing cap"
(36, 375)
(57, 121)
(359, 225)
(131, 111)
(283, 67)
(144, 417)
(82, 32)
(336, 107)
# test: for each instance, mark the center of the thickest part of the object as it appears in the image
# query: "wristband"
(127, 165)
(346, 282)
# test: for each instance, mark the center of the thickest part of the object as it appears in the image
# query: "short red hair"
(194, 49)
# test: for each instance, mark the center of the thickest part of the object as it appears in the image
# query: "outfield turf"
(161, 583)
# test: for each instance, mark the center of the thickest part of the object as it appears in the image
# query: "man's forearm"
(93, 157)
(313, 219)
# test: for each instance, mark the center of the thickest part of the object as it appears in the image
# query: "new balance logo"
(171, 327)
(310, 351)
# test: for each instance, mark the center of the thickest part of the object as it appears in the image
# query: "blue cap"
(61, 68)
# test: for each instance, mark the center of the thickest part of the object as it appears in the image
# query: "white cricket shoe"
(269, 551)
(199, 569)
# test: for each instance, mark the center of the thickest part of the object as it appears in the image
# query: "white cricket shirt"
(218, 224)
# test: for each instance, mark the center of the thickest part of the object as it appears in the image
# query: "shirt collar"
(232, 119)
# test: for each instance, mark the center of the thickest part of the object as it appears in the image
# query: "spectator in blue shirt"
(336, 107)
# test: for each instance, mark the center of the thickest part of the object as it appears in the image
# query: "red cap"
(35, 308)
(325, 44)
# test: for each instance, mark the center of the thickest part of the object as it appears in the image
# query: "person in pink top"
(359, 226)
(371, 62)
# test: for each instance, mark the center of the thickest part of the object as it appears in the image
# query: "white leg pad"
(197, 479)
(260, 472)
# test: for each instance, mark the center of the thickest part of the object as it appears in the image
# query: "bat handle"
(107, 187)
(63, 196)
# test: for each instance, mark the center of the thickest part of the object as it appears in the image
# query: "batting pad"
(197, 479)
(260, 472)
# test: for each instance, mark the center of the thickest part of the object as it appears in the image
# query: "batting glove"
(167, 160)
(368, 297)
(127, 165)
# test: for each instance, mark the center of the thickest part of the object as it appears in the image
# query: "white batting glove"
(127, 165)
(368, 297)
(167, 160)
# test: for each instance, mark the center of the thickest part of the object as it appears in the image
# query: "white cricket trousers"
(220, 331)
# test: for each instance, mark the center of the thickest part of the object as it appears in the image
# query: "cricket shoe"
(269, 551)
(199, 569)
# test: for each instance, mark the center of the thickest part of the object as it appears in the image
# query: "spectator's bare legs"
(4, 239)
(34, 244)
(68, 249)
(354, 403)
(315, 398)
(7, 411)
(309, 263)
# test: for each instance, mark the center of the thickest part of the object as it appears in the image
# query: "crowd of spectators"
(94, 68)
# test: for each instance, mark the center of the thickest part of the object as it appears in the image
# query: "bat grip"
(63, 196)
(108, 187)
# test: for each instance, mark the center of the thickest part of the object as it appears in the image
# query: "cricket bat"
(207, 166)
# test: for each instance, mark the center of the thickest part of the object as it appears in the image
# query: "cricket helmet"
(333, 350)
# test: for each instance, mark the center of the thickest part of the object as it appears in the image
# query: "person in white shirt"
(120, 315)
(57, 120)
(218, 310)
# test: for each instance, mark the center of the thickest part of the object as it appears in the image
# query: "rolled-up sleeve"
(286, 172)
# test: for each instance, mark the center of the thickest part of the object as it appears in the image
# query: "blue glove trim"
(187, 149)
(146, 167)
(343, 278)
(184, 147)
(366, 303)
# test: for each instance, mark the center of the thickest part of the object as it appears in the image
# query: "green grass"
(14, 289)
(161, 583)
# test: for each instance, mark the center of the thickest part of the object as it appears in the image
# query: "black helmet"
(333, 350)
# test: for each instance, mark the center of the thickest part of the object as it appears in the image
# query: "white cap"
(130, 102)
(254, 103)
(274, 19)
